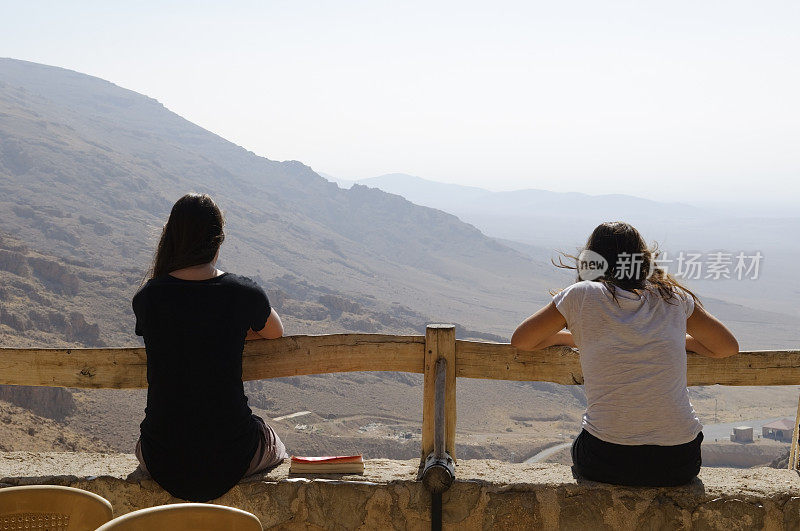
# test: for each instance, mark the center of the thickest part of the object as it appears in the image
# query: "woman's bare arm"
(693, 345)
(542, 329)
(707, 336)
(272, 330)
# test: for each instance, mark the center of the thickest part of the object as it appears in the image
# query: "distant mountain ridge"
(514, 202)
(545, 220)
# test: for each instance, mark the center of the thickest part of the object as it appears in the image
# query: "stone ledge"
(487, 494)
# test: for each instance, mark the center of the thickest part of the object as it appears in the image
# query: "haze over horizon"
(743, 208)
(678, 102)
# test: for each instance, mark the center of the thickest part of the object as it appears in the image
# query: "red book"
(329, 459)
(328, 464)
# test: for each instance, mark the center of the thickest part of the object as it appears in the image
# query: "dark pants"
(643, 465)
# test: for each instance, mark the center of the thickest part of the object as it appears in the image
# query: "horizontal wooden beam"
(501, 361)
(561, 365)
(114, 368)
(756, 367)
(298, 355)
(126, 368)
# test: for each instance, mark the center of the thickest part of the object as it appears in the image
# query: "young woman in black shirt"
(199, 437)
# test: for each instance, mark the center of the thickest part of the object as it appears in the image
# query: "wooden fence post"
(440, 342)
(794, 450)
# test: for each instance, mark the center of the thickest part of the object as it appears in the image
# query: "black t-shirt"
(198, 435)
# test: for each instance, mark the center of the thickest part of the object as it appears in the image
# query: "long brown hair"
(617, 242)
(191, 236)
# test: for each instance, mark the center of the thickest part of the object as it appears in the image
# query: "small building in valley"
(780, 430)
(742, 434)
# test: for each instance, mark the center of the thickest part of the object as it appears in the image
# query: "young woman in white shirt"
(632, 323)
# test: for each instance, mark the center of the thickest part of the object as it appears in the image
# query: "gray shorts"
(270, 452)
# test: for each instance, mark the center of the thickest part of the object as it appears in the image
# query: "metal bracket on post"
(439, 470)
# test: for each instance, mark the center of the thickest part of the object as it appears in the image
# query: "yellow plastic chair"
(53, 508)
(185, 517)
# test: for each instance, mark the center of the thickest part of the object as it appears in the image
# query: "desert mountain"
(89, 170)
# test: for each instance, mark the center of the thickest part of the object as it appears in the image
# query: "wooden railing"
(126, 368)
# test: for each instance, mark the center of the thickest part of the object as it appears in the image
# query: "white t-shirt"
(633, 356)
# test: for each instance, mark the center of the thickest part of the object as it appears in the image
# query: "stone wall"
(487, 494)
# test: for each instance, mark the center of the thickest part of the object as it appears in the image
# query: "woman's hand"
(707, 336)
(273, 329)
(542, 329)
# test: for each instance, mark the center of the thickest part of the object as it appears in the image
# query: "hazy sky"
(669, 99)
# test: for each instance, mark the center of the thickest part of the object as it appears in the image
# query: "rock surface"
(487, 494)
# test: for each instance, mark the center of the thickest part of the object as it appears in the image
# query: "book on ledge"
(331, 464)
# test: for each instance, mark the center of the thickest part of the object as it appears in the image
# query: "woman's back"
(633, 357)
(630, 321)
(198, 435)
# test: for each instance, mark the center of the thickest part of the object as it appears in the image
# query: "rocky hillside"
(782, 461)
(51, 301)
(21, 430)
(88, 172)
